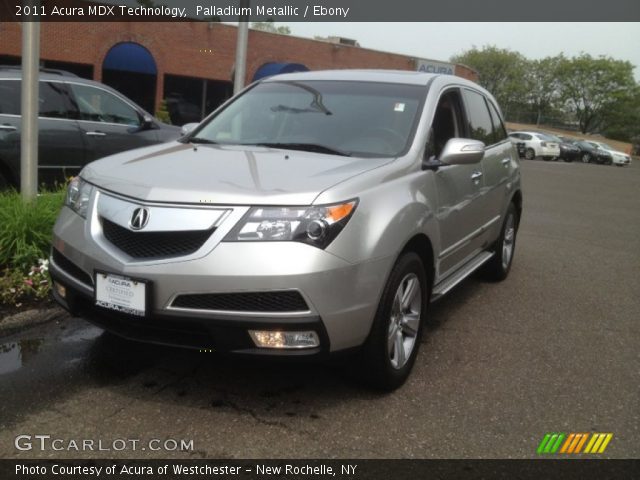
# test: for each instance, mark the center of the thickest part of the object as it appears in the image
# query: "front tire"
(392, 347)
(497, 269)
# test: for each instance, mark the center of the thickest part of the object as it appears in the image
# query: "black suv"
(79, 121)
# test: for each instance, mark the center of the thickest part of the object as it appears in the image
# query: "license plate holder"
(121, 293)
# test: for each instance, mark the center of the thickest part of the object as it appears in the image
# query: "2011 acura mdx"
(313, 213)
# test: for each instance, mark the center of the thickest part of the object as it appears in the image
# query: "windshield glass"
(348, 118)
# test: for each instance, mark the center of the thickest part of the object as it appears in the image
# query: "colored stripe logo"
(573, 443)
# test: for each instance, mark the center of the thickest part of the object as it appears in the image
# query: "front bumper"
(342, 297)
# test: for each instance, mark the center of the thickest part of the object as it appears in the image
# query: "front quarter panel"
(399, 204)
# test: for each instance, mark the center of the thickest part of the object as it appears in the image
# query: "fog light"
(283, 339)
(60, 290)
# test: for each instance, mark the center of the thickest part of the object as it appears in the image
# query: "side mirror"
(188, 127)
(462, 151)
(146, 123)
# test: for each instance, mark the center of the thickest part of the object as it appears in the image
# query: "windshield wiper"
(306, 147)
(201, 140)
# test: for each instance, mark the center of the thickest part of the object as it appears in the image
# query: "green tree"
(541, 81)
(501, 71)
(591, 88)
(269, 26)
(621, 120)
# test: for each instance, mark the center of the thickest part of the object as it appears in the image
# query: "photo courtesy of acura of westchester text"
(239, 238)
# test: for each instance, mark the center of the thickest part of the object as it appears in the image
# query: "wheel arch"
(516, 199)
(422, 246)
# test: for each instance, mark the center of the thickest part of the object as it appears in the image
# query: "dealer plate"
(122, 294)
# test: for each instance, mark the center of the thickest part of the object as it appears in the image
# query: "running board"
(446, 285)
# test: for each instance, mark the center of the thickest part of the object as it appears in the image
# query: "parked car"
(618, 158)
(568, 151)
(312, 214)
(78, 121)
(536, 145)
(590, 153)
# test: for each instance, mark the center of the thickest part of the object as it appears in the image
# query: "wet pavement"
(552, 349)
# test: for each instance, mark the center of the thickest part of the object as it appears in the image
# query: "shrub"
(25, 238)
(25, 235)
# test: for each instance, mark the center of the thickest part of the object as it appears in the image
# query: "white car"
(536, 145)
(619, 159)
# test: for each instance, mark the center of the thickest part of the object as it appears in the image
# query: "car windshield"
(342, 118)
(605, 146)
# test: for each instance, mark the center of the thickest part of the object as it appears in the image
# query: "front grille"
(154, 244)
(281, 301)
(71, 268)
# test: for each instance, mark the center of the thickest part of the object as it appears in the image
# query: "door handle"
(96, 134)
(506, 162)
(475, 176)
(8, 128)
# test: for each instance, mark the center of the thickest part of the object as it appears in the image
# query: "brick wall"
(197, 49)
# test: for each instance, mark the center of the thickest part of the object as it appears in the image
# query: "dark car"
(589, 153)
(78, 121)
(568, 151)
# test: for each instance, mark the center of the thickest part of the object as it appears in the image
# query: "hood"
(232, 175)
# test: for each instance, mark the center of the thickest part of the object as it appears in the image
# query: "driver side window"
(447, 122)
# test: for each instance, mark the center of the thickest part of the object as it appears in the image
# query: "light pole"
(241, 49)
(29, 107)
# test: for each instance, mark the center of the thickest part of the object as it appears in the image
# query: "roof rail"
(53, 71)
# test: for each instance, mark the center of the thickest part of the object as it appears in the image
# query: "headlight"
(78, 196)
(316, 225)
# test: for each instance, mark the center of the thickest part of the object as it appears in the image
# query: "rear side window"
(480, 123)
(52, 101)
(9, 97)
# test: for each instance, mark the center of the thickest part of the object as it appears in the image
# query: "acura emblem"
(139, 219)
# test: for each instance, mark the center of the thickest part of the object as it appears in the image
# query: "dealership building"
(190, 65)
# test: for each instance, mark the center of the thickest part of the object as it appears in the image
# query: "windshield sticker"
(399, 107)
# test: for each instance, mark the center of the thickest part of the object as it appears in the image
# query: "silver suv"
(314, 213)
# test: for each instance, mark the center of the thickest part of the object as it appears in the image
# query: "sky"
(439, 41)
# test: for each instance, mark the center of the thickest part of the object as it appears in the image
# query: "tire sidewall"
(511, 211)
(378, 369)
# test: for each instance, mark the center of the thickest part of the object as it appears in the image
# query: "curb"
(30, 318)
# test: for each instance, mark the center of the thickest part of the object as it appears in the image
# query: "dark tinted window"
(480, 124)
(51, 101)
(10, 97)
(447, 122)
(499, 132)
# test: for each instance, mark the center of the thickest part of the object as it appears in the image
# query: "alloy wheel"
(405, 320)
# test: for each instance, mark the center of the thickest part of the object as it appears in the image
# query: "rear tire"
(529, 154)
(392, 346)
(497, 269)
(586, 158)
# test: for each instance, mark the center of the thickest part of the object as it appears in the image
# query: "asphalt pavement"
(554, 348)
